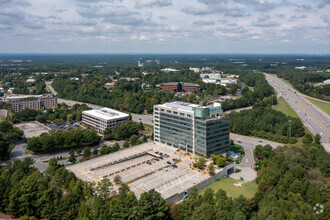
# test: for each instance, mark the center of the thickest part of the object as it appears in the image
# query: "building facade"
(193, 128)
(36, 104)
(179, 87)
(103, 118)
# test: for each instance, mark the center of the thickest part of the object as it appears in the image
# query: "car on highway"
(164, 164)
(140, 119)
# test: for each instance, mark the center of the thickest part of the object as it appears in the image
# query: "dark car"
(168, 162)
(175, 166)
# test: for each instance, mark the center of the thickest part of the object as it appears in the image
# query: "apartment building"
(33, 103)
(190, 127)
(103, 118)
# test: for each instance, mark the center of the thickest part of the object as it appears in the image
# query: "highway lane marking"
(97, 180)
(84, 173)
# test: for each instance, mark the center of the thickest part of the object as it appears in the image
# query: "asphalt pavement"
(315, 120)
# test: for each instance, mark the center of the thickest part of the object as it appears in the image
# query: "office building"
(179, 87)
(2, 92)
(41, 103)
(103, 118)
(190, 127)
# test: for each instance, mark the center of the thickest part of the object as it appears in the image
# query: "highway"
(314, 119)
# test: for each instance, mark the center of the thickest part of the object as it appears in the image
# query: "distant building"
(110, 85)
(30, 80)
(210, 76)
(195, 69)
(145, 86)
(326, 81)
(140, 64)
(179, 87)
(103, 118)
(2, 92)
(300, 67)
(171, 86)
(170, 70)
(33, 103)
(193, 128)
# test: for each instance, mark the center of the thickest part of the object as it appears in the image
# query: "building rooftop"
(185, 106)
(106, 113)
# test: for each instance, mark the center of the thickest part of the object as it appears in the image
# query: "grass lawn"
(284, 107)
(322, 105)
(247, 189)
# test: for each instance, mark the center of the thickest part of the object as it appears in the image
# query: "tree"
(151, 206)
(125, 130)
(104, 188)
(69, 117)
(145, 138)
(211, 169)
(72, 158)
(95, 151)
(317, 139)
(307, 139)
(133, 139)
(126, 144)
(117, 180)
(200, 163)
(125, 204)
(87, 152)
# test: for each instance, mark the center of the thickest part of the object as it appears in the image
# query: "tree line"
(61, 140)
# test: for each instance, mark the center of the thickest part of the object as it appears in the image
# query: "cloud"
(202, 22)
(152, 3)
(265, 21)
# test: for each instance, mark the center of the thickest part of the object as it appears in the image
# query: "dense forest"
(261, 90)
(291, 182)
(266, 123)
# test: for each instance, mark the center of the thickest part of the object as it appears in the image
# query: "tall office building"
(193, 128)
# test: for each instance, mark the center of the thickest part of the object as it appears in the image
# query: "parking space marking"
(97, 180)
(84, 173)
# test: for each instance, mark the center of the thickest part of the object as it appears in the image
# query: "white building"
(326, 81)
(170, 70)
(210, 75)
(195, 69)
(30, 80)
(103, 118)
(300, 67)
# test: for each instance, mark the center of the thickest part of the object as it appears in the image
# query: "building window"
(162, 110)
(168, 111)
(189, 115)
(182, 114)
(156, 109)
(175, 113)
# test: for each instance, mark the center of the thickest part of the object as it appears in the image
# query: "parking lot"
(32, 128)
(144, 167)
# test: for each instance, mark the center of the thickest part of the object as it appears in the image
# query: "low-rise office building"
(41, 103)
(190, 127)
(179, 87)
(100, 119)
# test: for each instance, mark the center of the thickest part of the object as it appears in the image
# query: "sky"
(165, 26)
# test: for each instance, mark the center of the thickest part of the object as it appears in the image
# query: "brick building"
(36, 103)
(179, 87)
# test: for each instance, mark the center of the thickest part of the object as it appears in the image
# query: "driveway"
(247, 163)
